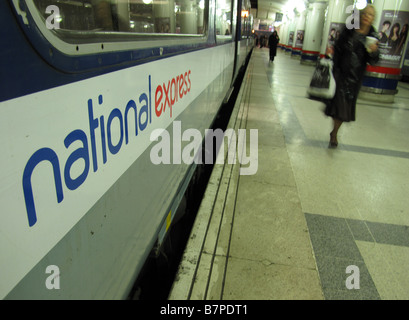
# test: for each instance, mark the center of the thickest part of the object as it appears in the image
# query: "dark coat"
(350, 61)
(272, 43)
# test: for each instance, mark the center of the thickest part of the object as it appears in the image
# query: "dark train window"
(107, 17)
(246, 22)
(223, 17)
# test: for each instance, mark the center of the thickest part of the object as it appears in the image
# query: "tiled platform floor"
(291, 230)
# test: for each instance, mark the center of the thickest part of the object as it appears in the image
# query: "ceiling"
(266, 9)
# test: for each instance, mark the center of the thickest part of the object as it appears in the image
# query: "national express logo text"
(136, 112)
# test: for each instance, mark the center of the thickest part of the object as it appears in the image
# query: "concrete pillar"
(283, 34)
(164, 16)
(187, 17)
(313, 32)
(381, 81)
(298, 35)
(290, 36)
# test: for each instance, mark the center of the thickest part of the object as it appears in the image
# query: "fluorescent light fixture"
(360, 4)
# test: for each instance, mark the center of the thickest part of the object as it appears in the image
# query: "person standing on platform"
(272, 43)
(351, 55)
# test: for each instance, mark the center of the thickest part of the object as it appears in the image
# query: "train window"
(245, 27)
(70, 18)
(223, 17)
(245, 22)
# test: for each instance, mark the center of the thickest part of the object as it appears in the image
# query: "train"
(95, 99)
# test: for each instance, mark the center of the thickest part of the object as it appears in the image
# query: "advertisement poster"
(393, 34)
(291, 38)
(300, 39)
(335, 30)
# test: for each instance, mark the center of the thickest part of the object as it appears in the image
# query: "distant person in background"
(272, 43)
(261, 41)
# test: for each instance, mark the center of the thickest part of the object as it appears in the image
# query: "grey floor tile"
(344, 247)
(359, 230)
(389, 233)
(335, 277)
(332, 294)
(327, 227)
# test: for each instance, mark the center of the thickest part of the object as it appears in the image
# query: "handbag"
(323, 84)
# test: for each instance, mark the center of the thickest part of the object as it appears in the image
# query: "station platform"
(312, 223)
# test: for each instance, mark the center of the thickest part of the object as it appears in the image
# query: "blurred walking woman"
(273, 41)
(351, 56)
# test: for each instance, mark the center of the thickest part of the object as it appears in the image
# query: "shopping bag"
(323, 84)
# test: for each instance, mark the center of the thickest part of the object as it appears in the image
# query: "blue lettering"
(116, 113)
(93, 124)
(130, 104)
(104, 144)
(150, 100)
(144, 109)
(73, 184)
(38, 156)
(47, 154)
